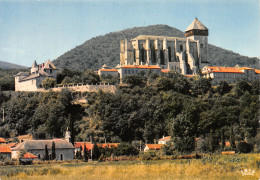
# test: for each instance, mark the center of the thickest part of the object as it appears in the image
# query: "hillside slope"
(105, 50)
(7, 65)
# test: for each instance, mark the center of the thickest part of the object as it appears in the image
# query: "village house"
(164, 140)
(64, 150)
(27, 158)
(5, 150)
(106, 71)
(152, 147)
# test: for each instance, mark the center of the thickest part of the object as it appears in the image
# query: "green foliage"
(85, 154)
(223, 88)
(104, 50)
(169, 104)
(126, 149)
(184, 144)
(244, 147)
(48, 83)
(95, 152)
(7, 80)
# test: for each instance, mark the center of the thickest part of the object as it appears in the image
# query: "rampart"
(84, 88)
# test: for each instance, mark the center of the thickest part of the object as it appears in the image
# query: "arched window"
(181, 48)
(170, 53)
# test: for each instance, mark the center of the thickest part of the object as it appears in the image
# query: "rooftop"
(142, 66)
(196, 24)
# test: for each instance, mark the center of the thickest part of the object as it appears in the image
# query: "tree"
(53, 153)
(46, 153)
(48, 83)
(85, 153)
(223, 88)
(95, 152)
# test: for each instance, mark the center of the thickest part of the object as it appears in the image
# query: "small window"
(201, 45)
(39, 156)
(50, 70)
(61, 157)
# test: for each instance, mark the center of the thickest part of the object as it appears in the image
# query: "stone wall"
(84, 88)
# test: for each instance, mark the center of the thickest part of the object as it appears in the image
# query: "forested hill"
(105, 50)
(7, 65)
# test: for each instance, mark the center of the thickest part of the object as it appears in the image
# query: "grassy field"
(209, 167)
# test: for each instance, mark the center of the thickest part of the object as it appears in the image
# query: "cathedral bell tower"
(198, 32)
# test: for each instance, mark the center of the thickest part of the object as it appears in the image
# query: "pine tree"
(53, 153)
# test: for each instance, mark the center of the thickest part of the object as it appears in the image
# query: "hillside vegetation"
(105, 50)
(7, 65)
(149, 108)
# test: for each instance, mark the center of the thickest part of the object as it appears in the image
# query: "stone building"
(25, 81)
(230, 74)
(185, 55)
(63, 148)
(106, 71)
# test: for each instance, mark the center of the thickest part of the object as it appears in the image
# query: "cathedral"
(184, 55)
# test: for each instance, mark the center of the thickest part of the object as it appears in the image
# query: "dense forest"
(96, 52)
(148, 108)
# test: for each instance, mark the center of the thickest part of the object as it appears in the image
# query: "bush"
(244, 147)
(184, 144)
(126, 149)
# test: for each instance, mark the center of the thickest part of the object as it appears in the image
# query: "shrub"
(126, 149)
(244, 147)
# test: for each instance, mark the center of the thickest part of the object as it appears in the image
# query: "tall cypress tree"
(85, 155)
(46, 155)
(53, 153)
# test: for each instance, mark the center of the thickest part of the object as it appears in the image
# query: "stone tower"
(68, 136)
(198, 32)
(34, 68)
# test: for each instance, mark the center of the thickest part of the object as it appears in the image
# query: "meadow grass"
(209, 167)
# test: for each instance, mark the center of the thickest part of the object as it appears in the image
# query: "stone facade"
(25, 81)
(184, 55)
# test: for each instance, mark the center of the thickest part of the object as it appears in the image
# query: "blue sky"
(45, 29)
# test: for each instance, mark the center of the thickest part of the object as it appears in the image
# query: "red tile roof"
(165, 138)
(109, 145)
(112, 70)
(257, 71)
(165, 70)
(225, 69)
(88, 145)
(154, 146)
(10, 145)
(29, 156)
(142, 66)
(5, 149)
(2, 140)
